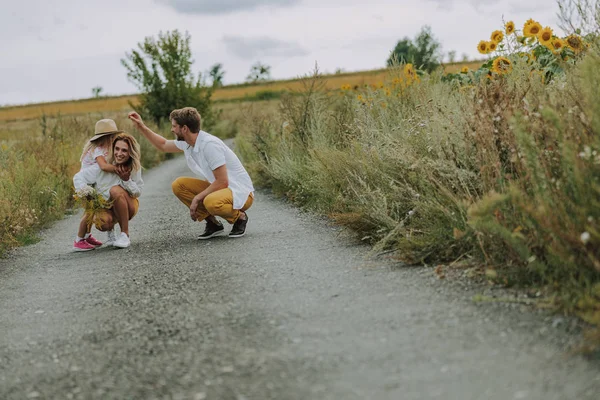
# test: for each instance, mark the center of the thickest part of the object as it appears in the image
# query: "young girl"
(95, 152)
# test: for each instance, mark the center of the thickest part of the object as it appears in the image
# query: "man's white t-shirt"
(208, 154)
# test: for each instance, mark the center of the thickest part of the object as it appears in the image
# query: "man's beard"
(179, 138)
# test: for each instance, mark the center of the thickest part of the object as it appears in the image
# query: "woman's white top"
(105, 180)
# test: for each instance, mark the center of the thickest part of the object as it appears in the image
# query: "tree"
(452, 56)
(423, 52)
(162, 70)
(216, 73)
(259, 73)
(96, 91)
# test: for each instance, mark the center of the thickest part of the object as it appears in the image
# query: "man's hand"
(137, 120)
(194, 206)
(124, 172)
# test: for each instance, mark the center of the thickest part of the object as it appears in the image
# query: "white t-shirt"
(89, 158)
(208, 154)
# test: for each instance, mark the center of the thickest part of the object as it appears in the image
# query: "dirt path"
(291, 311)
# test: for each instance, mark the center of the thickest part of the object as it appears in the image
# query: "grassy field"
(112, 105)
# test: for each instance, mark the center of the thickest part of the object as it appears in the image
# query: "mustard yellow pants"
(219, 203)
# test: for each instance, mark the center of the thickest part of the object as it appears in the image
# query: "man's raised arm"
(157, 141)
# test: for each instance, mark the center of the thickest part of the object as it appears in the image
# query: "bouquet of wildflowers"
(93, 204)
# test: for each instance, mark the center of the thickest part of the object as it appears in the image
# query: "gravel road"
(293, 310)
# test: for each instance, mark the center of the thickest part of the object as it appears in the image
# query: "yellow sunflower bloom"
(501, 65)
(545, 35)
(482, 47)
(532, 29)
(409, 70)
(509, 28)
(557, 45)
(575, 43)
(464, 70)
(492, 46)
(497, 36)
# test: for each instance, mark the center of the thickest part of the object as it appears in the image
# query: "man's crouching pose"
(225, 189)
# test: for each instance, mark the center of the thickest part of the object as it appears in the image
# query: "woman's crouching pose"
(121, 188)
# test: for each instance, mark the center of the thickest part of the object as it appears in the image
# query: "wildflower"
(464, 70)
(482, 47)
(557, 45)
(575, 43)
(532, 29)
(545, 36)
(501, 65)
(409, 70)
(492, 46)
(509, 28)
(585, 237)
(346, 87)
(497, 36)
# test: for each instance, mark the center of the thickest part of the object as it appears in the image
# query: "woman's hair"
(187, 116)
(103, 141)
(134, 151)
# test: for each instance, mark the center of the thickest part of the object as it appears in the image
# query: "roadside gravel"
(293, 310)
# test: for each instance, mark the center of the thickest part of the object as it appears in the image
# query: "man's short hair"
(189, 117)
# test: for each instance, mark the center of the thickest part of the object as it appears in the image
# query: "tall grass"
(504, 173)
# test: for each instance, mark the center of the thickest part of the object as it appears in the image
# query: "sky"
(61, 49)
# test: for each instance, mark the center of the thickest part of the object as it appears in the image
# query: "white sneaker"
(122, 241)
(110, 241)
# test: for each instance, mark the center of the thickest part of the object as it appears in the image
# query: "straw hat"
(105, 127)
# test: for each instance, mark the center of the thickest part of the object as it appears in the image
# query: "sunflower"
(575, 43)
(557, 45)
(497, 36)
(545, 36)
(532, 29)
(509, 27)
(464, 70)
(482, 47)
(492, 46)
(501, 65)
(409, 71)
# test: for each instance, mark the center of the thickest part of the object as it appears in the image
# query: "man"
(226, 189)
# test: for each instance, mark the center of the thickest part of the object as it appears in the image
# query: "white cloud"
(259, 47)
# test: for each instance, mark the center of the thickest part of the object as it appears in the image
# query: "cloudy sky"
(61, 49)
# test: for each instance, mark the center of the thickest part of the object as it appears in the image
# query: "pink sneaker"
(82, 245)
(93, 241)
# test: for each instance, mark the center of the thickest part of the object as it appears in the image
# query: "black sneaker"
(239, 228)
(211, 230)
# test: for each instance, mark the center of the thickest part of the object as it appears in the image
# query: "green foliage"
(217, 74)
(162, 70)
(96, 91)
(423, 51)
(259, 72)
(503, 172)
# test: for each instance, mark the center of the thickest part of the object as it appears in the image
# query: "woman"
(121, 188)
